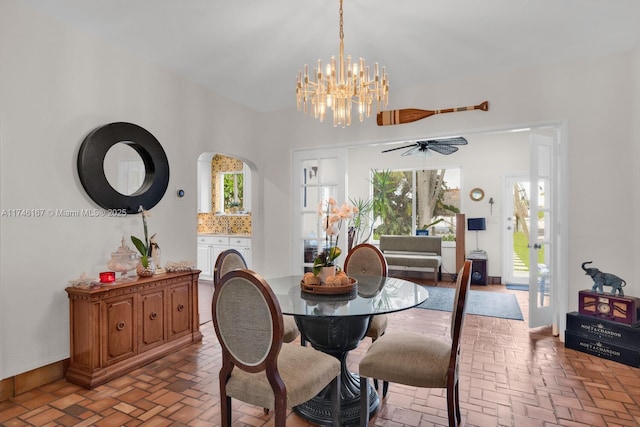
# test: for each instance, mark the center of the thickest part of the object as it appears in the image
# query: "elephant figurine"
(601, 279)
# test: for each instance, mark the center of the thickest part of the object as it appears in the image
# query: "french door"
(529, 228)
(541, 232)
(317, 175)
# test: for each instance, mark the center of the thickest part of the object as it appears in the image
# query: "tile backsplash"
(224, 224)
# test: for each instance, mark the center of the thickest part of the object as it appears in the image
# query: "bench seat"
(413, 253)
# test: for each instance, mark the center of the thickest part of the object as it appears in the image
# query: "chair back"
(248, 322)
(227, 261)
(463, 284)
(365, 260)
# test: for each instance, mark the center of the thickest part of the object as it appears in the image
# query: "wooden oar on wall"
(407, 115)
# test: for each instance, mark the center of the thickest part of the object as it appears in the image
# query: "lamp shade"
(476, 224)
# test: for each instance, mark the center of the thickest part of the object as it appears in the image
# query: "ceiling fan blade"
(458, 140)
(443, 148)
(412, 150)
(398, 148)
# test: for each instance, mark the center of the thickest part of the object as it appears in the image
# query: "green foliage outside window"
(231, 182)
(521, 248)
(393, 200)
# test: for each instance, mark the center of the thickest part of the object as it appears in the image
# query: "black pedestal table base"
(336, 336)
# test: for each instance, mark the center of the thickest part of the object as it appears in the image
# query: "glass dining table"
(335, 324)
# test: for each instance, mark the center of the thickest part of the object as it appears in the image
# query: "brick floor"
(510, 376)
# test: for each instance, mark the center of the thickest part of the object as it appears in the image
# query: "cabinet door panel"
(215, 253)
(152, 322)
(204, 261)
(246, 253)
(179, 310)
(120, 329)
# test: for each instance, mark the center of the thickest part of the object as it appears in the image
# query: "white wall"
(57, 84)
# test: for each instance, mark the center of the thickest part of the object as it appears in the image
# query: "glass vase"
(326, 272)
(148, 271)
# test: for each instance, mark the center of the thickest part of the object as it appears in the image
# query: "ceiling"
(251, 50)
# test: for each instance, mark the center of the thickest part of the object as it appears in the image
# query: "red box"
(609, 307)
(108, 277)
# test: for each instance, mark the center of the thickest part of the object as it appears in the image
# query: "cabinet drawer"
(213, 240)
(243, 242)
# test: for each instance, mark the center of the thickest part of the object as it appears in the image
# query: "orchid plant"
(332, 217)
(143, 247)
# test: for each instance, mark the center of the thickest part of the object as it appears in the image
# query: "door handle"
(537, 246)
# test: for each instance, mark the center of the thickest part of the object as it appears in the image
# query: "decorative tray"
(329, 290)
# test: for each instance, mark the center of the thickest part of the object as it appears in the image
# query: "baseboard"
(21, 383)
(6, 389)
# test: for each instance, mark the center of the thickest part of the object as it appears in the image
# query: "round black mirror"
(91, 157)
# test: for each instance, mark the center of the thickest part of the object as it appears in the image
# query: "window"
(407, 201)
(232, 194)
(233, 190)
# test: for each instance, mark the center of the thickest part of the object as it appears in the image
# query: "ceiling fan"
(443, 146)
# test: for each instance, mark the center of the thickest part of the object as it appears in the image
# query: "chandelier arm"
(341, 33)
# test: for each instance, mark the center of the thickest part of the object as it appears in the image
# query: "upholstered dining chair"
(232, 259)
(367, 260)
(418, 360)
(257, 366)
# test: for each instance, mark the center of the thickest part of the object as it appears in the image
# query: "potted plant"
(331, 217)
(146, 267)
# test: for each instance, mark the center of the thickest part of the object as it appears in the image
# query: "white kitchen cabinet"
(204, 261)
(242, 245)
(209, 247)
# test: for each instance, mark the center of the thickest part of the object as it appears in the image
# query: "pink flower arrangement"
(332, 217)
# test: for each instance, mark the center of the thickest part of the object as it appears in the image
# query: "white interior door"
(541, 211)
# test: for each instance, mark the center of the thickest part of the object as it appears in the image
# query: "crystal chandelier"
(341, 87)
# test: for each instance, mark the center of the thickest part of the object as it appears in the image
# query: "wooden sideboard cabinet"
(115, 329)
